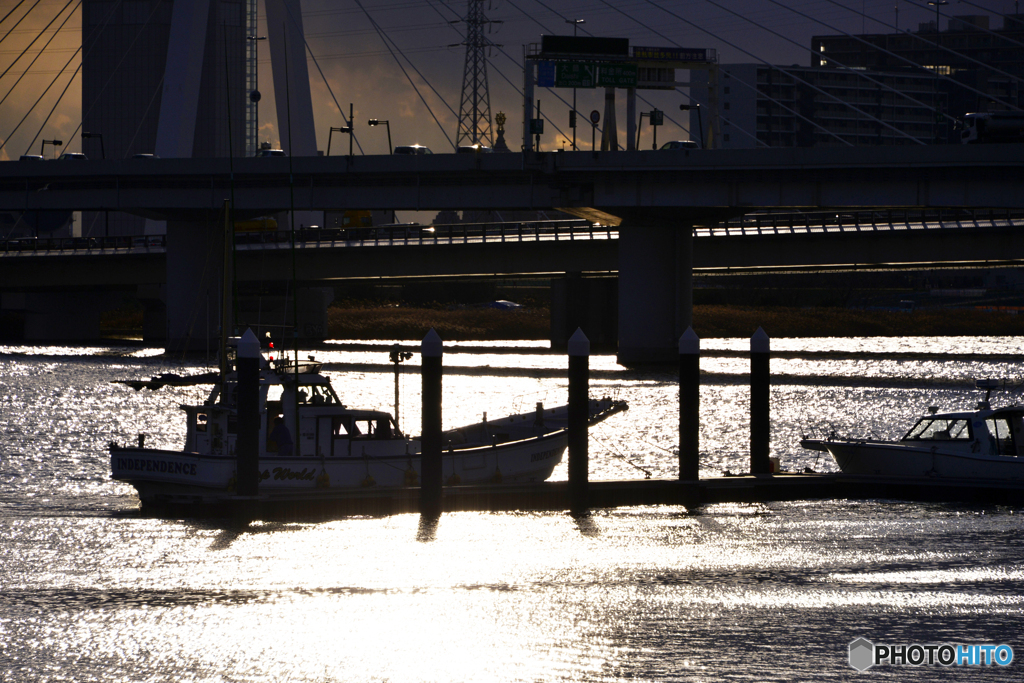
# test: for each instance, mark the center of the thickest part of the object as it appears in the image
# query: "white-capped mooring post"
(579, 380)
(430, 455)
(760, 390)
(247, 443)
(689, 405)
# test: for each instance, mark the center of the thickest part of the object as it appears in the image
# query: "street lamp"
(103, 152)
(55, 143)
(572, 118)
(938, 4)
(343, 129)
(253, 124)
(700, 120)
(376, 122)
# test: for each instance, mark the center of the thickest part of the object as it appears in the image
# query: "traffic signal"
(572, 118)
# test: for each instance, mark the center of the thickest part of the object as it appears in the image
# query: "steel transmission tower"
(475, 111)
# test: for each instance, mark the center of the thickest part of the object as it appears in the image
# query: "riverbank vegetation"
(407, 323)
(362, 321)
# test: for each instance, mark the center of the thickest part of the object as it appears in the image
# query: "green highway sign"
(595, 75)
(575, 75)
(616, 76)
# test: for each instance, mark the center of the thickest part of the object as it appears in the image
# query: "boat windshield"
(939, 429)
(1001, 435)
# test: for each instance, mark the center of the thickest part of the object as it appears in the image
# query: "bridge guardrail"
(537, 231)
(889, 220)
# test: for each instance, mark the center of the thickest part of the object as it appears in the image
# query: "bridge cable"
(743, 130)
(779, 68)
(1001, 36)
(38, 36)
(978, 29)
(9, 32)
(41, 50)
(297, 21)
(142, 119)
(1020, 23)
(738, 80)
(38, 100)
(862, 74)
(13, 10)
(380, 32)
(95, 31)
(901, 58)
(500, 73)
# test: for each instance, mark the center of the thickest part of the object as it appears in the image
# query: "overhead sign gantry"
(596, 62)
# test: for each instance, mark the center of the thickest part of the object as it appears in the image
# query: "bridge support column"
(195, 274)
(588, 304)
(54, 316)
(655, 292)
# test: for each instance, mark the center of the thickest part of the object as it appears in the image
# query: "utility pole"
(475, 110)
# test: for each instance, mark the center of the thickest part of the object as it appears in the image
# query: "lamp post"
(103, 152)
(575, 25)
(55, 143)
(938, 4)
(253, 124)
(700, 120)
(343, 129)
(377, 122)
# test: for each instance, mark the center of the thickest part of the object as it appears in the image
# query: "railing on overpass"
(414, 234)
(379, 236)
(806, 222)
(811, 222)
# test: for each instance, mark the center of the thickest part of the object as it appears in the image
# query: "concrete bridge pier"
(54, 316)
(655, 290)
(195, 277)
(196, 261)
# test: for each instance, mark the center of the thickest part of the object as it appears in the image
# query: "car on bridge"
(412, 149)
(680, 144)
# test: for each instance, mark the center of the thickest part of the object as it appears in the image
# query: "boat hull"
(896, 460)
(174, 477)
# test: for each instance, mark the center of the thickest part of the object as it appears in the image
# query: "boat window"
(999, 430)
(339, 427)
(941, 429)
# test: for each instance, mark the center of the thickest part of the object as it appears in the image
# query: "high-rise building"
(873, 89)
(980, 68)
(794, 106)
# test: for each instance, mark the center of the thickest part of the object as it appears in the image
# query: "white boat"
(339, 448)
(984, 443)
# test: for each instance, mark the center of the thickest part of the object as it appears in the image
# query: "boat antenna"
(398, 356)
(291, 192)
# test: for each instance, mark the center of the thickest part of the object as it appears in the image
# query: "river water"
(92, 591)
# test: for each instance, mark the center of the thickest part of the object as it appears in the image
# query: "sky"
(359, 69)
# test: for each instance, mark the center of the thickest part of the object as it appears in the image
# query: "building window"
(726, 137)
(726, 105)
(726, 90)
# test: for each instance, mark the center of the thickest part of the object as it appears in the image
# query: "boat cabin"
(989, 432)
(303, 399)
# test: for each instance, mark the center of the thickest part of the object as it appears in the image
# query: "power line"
(409, 78)
(297, 21)
(19, 20)
(13, 10)
(40, 35)
(43, 49)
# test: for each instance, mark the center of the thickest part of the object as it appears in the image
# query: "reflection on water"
(93, 592)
